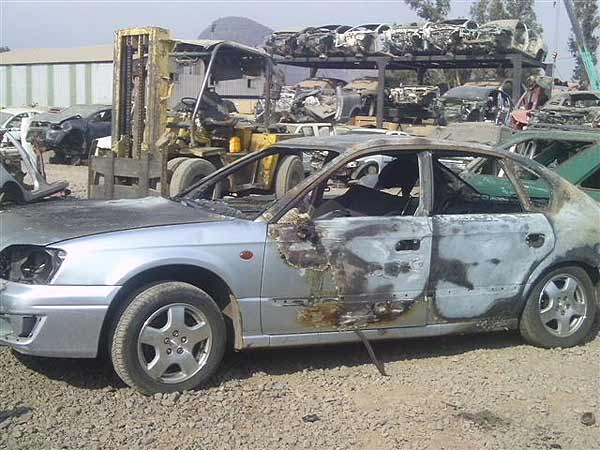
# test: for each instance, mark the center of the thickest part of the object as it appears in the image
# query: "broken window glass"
(376, 185)
(484, 190)
(538, 189)
(251, 187)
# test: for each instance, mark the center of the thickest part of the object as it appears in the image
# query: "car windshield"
(250, 186)
(468, 93)
(5, 117)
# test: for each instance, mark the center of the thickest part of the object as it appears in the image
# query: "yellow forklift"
(170, 129)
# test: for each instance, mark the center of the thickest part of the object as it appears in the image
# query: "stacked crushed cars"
(453, 36)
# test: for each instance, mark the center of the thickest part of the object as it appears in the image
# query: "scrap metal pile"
(453, 36)
(334, 100)
(314, 99)
(575, 108)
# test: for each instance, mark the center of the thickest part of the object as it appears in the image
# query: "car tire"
(290, 172)
(172, 166)
(188, 173)
(557, 314)
(170, 338)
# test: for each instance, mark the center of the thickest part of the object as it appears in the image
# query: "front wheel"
(560, 310)
(170, 338)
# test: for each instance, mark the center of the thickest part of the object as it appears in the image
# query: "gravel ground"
(77, 176)
(463, 392)
(467, 392)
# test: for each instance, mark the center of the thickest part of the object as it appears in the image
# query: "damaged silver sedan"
(164, 286)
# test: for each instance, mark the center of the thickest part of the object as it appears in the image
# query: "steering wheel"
(188, 102)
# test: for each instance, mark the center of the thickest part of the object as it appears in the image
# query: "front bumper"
(57, 321)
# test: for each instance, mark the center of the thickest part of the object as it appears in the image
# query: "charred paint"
(356, 304)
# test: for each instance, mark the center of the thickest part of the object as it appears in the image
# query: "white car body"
(11, 120)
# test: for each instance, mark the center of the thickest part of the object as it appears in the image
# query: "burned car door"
(360, 259)
(486, 243)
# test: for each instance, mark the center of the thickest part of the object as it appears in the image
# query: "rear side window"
(537, 188)
(593, 181)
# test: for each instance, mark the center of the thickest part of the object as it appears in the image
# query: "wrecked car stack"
(451, 36)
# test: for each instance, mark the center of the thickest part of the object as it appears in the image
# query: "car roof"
(550, 134)
(357, 142)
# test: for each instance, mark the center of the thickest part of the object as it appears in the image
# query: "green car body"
(574, 155)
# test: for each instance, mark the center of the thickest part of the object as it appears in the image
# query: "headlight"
(30, 264)
(352, 165)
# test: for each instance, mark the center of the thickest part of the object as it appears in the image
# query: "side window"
(592, 181)
(460, 188)
(373, 186)
(536, 187)
(102, 116)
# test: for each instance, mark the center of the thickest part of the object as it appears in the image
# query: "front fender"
(113, 258)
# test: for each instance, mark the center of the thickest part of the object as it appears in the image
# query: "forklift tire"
(290, 172)
(188, 173)
(172, 166)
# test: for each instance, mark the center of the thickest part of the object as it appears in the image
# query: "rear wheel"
(560, 310)
(171, 337)
(290, 172)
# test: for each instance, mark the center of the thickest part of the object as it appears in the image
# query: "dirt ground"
(472, 392)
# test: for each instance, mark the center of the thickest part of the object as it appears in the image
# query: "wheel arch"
(197, 276)
(592, 271)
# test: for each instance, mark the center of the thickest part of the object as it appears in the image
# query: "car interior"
(392, 192)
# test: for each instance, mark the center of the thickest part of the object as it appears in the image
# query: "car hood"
(54, 221)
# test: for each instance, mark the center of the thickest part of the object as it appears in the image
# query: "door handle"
(535, 240)
(408, 245)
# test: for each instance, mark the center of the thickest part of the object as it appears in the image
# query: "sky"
(49, 23)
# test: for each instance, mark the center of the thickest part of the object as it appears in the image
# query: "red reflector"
(246, 255)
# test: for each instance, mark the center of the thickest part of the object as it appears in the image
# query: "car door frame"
(281, 240)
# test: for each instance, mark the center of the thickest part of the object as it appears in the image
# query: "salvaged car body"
(11, 118)
(310, 100)
(70, 133)
(474, 102)
(573, 154)
(570, 108)
(418, 253)
(20, 179)
(413, 102)
(360, 40)
(502, 36)
(319, 41)
(282, 43)
(401, 40)
(447, 36)
(356, 98)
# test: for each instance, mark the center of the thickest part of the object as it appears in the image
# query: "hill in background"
(238, 29)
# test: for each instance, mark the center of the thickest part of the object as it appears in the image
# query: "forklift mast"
(141, 60)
